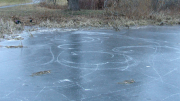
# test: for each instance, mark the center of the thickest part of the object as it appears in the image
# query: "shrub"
(91, 4)
(52, 6)
(140, 8)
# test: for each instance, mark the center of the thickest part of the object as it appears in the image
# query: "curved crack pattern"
(88, 66)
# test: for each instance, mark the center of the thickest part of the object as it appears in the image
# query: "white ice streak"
(66, 46)
(151, 61)
(51, 59)
(90, 33)
(55, 29)
(64, 80)
(40, 92)
(172, 95)
(82, 87)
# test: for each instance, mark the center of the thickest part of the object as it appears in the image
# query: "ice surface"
(92, 65)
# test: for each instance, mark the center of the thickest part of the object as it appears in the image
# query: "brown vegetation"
(52, 6)
(91, 4)
(9, 27)
(115, 14)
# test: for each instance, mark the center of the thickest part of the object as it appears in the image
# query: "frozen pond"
(93, 65)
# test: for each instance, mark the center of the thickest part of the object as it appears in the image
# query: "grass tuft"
(9, 27)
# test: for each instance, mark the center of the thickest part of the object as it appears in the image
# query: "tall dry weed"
(129, 8)
(139, 9)
(9, 27)
(76, 22)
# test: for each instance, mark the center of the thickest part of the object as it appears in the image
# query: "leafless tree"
(154, 4)
(73, 5)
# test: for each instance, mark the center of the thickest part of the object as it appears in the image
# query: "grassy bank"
(13, 2)
(43, 14)
(48, 15)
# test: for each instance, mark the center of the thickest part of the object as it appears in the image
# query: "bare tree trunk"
(105, 3)
(73, 5)
(54, 2)
(154, 4)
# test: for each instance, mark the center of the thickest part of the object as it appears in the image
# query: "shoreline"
(30, 30)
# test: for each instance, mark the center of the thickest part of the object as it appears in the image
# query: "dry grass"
(79, 22)
(160, 18)
(8, 27)
(125, 13)
(141, 9)
(18, 46)
(133, 9)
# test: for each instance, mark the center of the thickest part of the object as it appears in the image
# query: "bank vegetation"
(94, 13)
